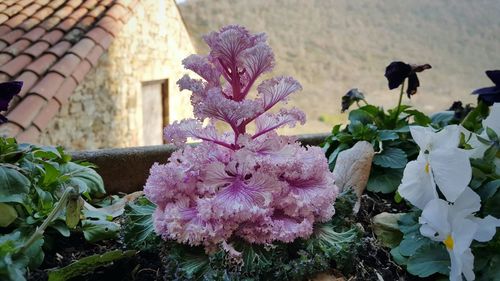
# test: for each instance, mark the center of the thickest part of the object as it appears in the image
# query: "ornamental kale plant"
(257, 186)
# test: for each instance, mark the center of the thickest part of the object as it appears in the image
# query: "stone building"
(97, 73)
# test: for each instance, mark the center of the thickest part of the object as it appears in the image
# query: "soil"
(373, 261)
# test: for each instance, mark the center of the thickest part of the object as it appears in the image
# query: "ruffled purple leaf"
(268, 121)
(277, 89)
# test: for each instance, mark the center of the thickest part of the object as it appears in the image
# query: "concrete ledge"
(126, 169)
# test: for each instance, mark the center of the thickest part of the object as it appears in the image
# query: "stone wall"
(106, 108)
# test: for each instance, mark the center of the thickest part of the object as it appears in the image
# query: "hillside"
(331, 46)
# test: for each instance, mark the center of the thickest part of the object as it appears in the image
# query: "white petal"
(468, 265)
(492, 121)
(467, 203)
(462, 232)
(422, 136)
(451, 170)
(456, 267)
(486, 228)
(417, 185)
(434, 220)
(448, 137)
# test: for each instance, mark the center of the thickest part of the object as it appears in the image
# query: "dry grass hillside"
(331, 46)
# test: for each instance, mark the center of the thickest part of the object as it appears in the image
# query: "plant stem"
(41, 229)
(399, 105)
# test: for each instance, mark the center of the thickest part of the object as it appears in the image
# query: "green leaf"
(386, 228)
(73, 211)
(489, 189)
(138, 228)
(384, 180)
(391, 157)
(61, 227)
(398, 258)
(428, 260)
(359, 115)
(96, 230)
(386, 135)
(8, 214)
(442, 118)
(491, 206)
(85, 178)
(87, 265)
(419, 117)
(15, 186)
(51, 174)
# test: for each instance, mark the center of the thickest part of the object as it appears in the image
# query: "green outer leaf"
(88, 264)
(489, 189)
(96, 230)
(361, 116)
(384, 180)
(7, 214)
(385, 135)
(442, 118)
(85, 178)
(391, 157)
(386, 228)
(138, 228)
(419, 117)
(429, 260)
(15, 186)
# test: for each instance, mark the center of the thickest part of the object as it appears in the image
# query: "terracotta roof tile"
(10, 129)
(60, 48)
(43, 13)
(12, 10)
(82, 48)
(30, 135)
(31, 9)
(37, 49)
(90, 4)
(16, 20)
(43, 63)
(43, 118)
(3, 45)
(82, 70)
(53, 36)
(34, 34)
(5, 58)
(78, 13)
(47, 87)
(29, 79)
(95, 54)
(3, 18)
(26, 110)
(16, 65)
(65, 91)
(50, 22)
(4, 77)
(66, 65)
(12, 36)
(110, 25)
(51, 45)
(117, 11)
(54, 4)
(16, 48)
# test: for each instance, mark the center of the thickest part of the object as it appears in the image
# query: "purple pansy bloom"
(7, 91)
(398, 71)
(490, 95)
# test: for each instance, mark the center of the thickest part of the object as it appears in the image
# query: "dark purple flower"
(490, 95)
(398, 71)
(7, 91)
(354, 95)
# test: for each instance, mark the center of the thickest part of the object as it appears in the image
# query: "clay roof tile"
(15, 65)
(48, 86)
(43, 118)
(26, 110)
(37, 49)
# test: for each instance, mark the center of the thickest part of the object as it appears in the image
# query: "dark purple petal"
(3, 119)
(354, 95)
(413, 84)
(396, 73)
(494, 76)
(489, 95)
(7, 91)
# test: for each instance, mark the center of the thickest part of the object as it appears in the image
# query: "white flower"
(455, 226)
(440, 162)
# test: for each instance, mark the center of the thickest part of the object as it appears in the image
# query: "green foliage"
(88, 264)
(41, 187)
(137, 227)
(391, 140)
